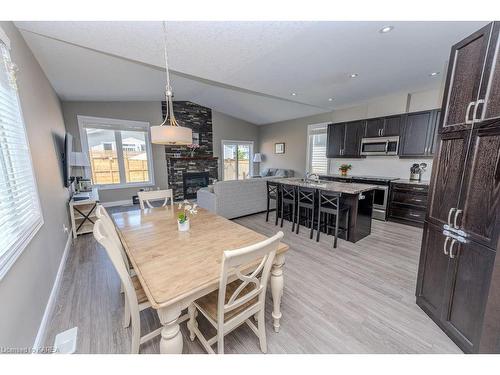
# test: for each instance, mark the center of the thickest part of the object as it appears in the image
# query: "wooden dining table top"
(173, 265)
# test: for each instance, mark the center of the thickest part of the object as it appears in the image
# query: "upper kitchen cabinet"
(418, 134)
(392, 126)
(344, 139)
(383, 126)
(374, 127)
(464, 79)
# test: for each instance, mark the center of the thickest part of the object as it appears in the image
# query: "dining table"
(177, 267)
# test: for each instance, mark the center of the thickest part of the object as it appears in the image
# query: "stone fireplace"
(192, 181)
(180, 161)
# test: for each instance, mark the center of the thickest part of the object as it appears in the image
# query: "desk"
(176, 268)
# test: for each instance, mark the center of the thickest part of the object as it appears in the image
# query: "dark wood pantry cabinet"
(459, 271)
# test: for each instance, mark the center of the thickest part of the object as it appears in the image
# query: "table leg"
(277, 289)
(171, 337)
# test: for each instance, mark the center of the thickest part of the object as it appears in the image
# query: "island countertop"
(339, 187)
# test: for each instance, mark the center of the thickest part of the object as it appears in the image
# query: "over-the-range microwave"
(380, 146)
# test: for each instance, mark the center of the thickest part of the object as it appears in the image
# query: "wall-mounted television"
(68, 149)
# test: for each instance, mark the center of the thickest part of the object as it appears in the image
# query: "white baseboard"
(40, 336)
(127, 202)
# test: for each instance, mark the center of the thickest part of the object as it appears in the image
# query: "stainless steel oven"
(380, 197)
(380, 146)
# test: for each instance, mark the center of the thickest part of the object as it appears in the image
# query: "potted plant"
(185, 209)
(192, 147)
(344, 168)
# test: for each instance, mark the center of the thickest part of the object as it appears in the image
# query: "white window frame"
(117, 125)
(10, 256)
(232, 142)
(310, 129)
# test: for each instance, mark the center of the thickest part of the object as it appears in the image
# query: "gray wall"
(294, 134)
(135, 111)
(226, 127)
(25, 289)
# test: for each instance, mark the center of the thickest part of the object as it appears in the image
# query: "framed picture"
(279, 148)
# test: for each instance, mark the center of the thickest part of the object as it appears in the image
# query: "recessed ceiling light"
(330, 99)
(354, 75)
(433, 74)
(293, 94)
(386, 29)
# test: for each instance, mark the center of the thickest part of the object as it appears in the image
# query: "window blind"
(20, 212)
(317, 149)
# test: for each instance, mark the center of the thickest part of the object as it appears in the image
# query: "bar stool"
(288, 196)
(272, 193)
(306, 198)
(329, 204)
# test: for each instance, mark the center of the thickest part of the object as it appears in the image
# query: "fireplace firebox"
(192, 182)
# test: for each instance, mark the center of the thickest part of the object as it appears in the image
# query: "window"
(317, 161)
(20, 212)
(119, 151)
(238, 164)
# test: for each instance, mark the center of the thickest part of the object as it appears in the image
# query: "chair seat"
(141, 295)
(208, 303)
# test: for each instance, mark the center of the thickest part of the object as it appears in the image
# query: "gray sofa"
(235, 198)
(277, 172)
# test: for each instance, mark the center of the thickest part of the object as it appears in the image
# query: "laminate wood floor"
(358, 298)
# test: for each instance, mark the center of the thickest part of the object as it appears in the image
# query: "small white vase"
(183, 227)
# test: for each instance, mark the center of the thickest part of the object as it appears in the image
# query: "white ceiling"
(245, 69)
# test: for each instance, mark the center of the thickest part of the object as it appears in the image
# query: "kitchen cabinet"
(418, 135)
(344, 139)
(374, 127)
(463, 215)
(335, 140)
(464, 78)
(383, 126)
(407, 203)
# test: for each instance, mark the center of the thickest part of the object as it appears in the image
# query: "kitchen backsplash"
(386, 166)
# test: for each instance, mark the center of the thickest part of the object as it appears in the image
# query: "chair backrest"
(272, 189)
(234, 260)
(103, 236)
(306, 196)
(328, 199)
(103, 215)
(288, 192)
(147, 196)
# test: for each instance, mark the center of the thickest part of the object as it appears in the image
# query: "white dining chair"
(103, 214)
(237, 302)
(135, 297)
(147, 196)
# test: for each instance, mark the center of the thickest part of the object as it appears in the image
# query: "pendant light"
(169, 132)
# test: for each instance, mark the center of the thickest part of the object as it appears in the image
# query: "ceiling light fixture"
(330, 99)
(433, 74)
(293, 94)
(169, 132)
(354, 75)
(386, 29)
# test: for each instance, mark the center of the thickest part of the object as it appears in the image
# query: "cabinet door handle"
(467, 112)
(449, 215)
(417, 200)
(480, 101)
(445, 251)
(453, 242)
(458, 212)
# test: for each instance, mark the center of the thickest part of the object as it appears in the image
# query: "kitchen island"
(358, 197)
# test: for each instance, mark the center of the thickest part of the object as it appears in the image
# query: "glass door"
(237, 160)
